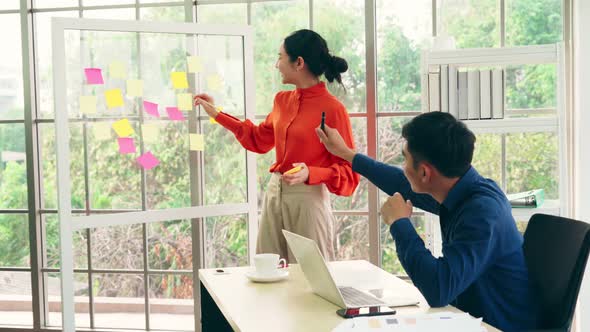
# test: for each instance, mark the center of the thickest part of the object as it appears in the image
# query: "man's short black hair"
(441, 140)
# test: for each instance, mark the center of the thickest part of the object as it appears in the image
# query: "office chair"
(556, 251)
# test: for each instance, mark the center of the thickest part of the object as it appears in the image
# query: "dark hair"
(442, 141)
(314, 50)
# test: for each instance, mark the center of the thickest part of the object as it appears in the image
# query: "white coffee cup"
(267, 264)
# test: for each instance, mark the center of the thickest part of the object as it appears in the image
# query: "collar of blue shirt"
(462, 189)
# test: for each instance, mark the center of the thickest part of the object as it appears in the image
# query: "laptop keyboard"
(355, 298)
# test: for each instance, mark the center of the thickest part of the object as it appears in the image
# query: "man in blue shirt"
(482, 269)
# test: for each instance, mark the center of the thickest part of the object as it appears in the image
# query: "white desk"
(231, 301)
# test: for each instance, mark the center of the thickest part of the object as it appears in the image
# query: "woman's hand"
(207, 102)
(298, 177)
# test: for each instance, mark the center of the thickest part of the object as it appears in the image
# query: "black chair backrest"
(556, 251)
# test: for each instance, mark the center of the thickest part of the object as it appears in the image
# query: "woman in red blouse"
(298, 202)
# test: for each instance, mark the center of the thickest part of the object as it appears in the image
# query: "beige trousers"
(301, 209)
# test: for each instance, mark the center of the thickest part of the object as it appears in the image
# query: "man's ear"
(426, 172)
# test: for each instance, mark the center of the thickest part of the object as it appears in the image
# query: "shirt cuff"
(230, 122)
(361, 163)
(318, 175)
(402, 230)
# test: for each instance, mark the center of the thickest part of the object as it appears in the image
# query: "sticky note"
(212, 121)
(114, 98)
(184, 101)
(195, 65)
(88, 104)
(179, 80)
(135, 88)
(117, 69)
(150, 132)
(151, 108)
(93, 76)
(101, 130)
(214, 82)
(126, 145)
(148, 160)
(374, 323)
(174, 114)
(196, 142)
(123, 128)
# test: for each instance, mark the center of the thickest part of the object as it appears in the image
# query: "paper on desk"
(442, 321)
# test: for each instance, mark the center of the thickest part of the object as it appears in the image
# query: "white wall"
(581, 36)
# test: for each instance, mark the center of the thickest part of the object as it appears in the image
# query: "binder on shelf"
(498, 94)
(453, 97)
(473, 94)
(444, 88)
(527, 199)
(485, 94)
(433, 92)
(462, 76)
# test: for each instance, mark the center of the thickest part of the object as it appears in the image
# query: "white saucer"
(279, 275)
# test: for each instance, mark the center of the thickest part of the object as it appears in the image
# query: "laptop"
(316, 272)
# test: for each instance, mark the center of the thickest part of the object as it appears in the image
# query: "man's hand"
(395, 208)
(334, 143)
(297, 177)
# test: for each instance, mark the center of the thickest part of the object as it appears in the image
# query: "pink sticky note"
(93, 76)
(126, 145)
(151, 108)
(148, 160)
(174, 114)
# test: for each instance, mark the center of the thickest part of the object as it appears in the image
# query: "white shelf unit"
(514, 56)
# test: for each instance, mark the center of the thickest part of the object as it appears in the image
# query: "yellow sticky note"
(179, 80)
(195, 65)
(117, 69)
(123, 128)
(135, 88)
(214, 82)
(150, 132)
(101, 130)
(212, 120)
(114, 98)
(184, 101)
(197, 142)
(88, 104)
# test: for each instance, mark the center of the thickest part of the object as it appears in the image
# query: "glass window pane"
(55, 3)
(272, 22)
(533, 22)
(51, 257)
(115, 14)
(389, 258)
(225, 166)
(226, 241)
(170, 245)
(106, 2)
(119, 301)
(117, 247)
(403, 30)
(473, 23)
(11, 70)
(168, 186)
(390, 141)
(15, 293)
(263, 163)
(81, 299)
(44, 59)
(9, 4)
(48, 165)
(487, 156)
(171, 302)
(531, 86)
(358, 200)
(13, 168)
(235, 13)
(346, 38)
(14, 241)
(351, 237)
(163, 14)
(532, 163)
